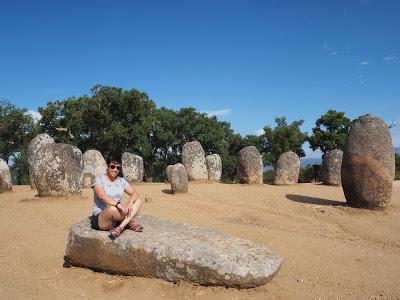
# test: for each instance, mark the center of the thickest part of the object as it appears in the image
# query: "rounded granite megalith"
(179, 179)
(173, 252)
(58, 170)
(5, 177)
(132, 167)
(331, 167)
(194, 160)
(249, 166)
(34, 145)
(368, 164)
(287, 169)
(94, 166)
(214, 167)
(168, 171)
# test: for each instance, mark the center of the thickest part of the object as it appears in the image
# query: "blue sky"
(246, 61)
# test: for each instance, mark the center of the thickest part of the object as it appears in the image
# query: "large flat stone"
(173, 252)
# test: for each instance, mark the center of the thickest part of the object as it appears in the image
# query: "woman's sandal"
(116, 232)
(132, 225)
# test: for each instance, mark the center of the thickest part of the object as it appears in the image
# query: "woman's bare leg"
(134, 211)
(108, 217)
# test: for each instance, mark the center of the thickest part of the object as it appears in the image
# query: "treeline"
(113, 119)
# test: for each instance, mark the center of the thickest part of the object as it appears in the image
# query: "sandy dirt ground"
(329, 250)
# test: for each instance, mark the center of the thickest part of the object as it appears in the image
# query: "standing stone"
(168, 171)
(287, 169)
(33, 147)
(94, 166)
(173, 252)
(5, 177)
(58, 170)
(368, 164)
(249, 166)
(193, 158)
(331, 166)
(214, 167)
(179, 179)
(132, 167)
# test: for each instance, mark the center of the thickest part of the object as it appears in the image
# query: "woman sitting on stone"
(108, 211)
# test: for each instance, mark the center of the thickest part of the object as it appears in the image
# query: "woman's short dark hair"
(114, 157)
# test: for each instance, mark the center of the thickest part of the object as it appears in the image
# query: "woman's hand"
(123, 209)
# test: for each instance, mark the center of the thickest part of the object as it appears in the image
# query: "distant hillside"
(397, 150)
(304, 162)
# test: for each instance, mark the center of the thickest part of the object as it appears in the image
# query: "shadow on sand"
(314, 200)
(167, 191)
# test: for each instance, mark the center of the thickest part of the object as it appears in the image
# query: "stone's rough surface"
(34, 145)
(132, 167)
(193, 158)
(368, 164)
(214, 167)
(173, 252)
(58, 170)
(94, 166)
(287, 169)
(168, 171)
(5, 177)
(179, 179)
(249, 166)
(331, 166)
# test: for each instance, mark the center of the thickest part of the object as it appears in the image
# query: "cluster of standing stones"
(176, 252)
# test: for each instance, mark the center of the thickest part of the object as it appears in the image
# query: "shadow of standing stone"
(173, 252)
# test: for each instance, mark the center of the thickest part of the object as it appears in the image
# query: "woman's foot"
(116, 232)
(132, 225)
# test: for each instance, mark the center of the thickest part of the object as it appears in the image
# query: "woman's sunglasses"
(112, 167)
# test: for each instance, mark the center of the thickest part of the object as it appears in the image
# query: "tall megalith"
(58, 170)
(34, 145)
(194, 160)
(249, 166)
(368, 164)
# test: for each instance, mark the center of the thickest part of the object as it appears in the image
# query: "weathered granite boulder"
(33, 147)
(168, 171)
(331, 167)
(5, 177)
(194, 160)
(173, 252)
(58, 170)
(249, 166)
(179, 179)
(287, 169)
(214, 167)
(94, 166)
(368, 164)
(132, 167)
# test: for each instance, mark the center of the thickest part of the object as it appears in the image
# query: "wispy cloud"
(325, 46)
(259, 131)
(218, 113)
(334, 53)
(35, 115)
(364, 63)
(389, 57)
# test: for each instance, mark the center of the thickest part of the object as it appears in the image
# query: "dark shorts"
(94, 221)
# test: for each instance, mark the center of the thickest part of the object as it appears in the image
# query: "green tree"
(17, 128)
(283, 138)
(330, 132)
(397, 166)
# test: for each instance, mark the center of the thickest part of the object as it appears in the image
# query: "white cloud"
(334, 53)
(35, 115)
(325, 46)
(364, 63)
(218, 113)
(389, 57)
(259, 132)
